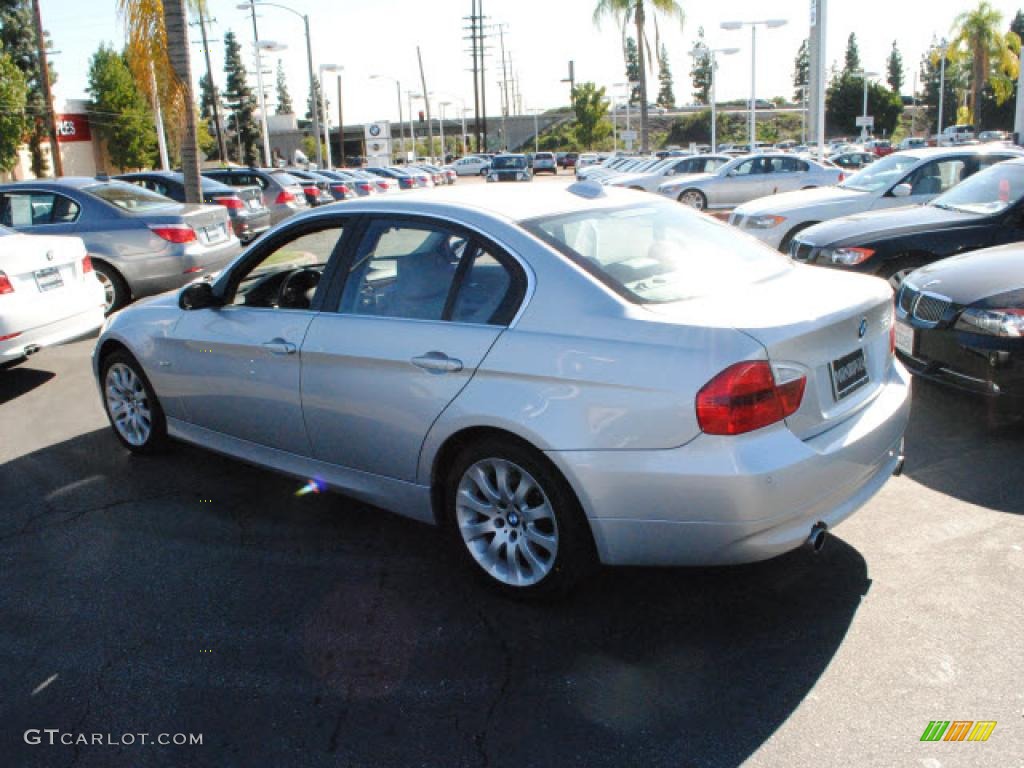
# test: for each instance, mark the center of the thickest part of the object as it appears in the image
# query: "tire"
(545, 532)
(115, 289)
(144, 428)
(895, 270)
(694, 198)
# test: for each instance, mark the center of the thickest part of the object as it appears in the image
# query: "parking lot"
(191, 593)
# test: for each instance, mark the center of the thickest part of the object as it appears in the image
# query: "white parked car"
(48, 293)
(669, 168)
(471, 165)
(555, 375)
(902, 178)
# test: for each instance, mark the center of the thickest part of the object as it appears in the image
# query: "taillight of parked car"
(174, 233)
(311, 190)
(842, 178)
(341, 189)
(364, 186)
(5, 284)
(233, 203)
(283, 197)
(745, 397)
(87, 265)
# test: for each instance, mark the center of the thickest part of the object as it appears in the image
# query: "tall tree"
(844, 102)
(13, 122)
(240, 101)
(993, 54)
(666, 97)
(284, 98)
(632, 57)
(894, 69)
(636, 11)
(851, 62)
(930, 75)
(701, 73)
(801, 71)
(316, 94)
(18, 40)
(125, 121)
(591, 107)
(207, 98)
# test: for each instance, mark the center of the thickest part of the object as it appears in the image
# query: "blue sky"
(380, 36)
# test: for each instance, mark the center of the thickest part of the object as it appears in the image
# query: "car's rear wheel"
(515, 520)
(695, 199)
(115, 289)
(131, 404)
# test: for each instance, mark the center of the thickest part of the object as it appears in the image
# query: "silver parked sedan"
(748, 178)
(558, 376)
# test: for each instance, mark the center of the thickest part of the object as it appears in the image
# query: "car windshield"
(129, 197)
(881, 174)
(508, 163)
(987, 192)
(657, 252)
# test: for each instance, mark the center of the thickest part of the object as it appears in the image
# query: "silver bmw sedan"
(556, 376)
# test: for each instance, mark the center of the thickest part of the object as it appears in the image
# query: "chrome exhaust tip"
(31, 349)
(816, 540)
(898, 470)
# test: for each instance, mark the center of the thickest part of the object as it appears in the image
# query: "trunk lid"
(209, 222)
(809, 321)
(252, 197)
(42, 263)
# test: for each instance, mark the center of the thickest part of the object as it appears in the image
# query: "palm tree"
(158, 54)
(636, 11)
(994, 56)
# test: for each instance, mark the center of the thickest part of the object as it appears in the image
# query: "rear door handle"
(437, 362)
(279, 347)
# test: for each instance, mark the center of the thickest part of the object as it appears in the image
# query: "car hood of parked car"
(992, 277)
(783, 203)
(880, 225)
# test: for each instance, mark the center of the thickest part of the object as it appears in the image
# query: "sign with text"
(73, 128)
(865, 122)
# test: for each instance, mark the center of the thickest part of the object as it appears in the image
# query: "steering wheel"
(297, 289)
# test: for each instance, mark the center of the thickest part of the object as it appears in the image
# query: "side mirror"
(901, 190)
(197, 296)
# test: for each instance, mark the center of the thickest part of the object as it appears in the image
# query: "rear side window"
(35, 209)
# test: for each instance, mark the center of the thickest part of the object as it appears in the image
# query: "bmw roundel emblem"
(863, 329)
(374, 130)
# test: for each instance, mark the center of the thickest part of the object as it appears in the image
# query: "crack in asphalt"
(74, 515)
(480, 738)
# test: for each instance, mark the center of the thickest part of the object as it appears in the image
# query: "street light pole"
(336, 68)
(710, 54)
(251, 6)
(768, 24)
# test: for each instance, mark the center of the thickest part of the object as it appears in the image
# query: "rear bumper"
(67, 328)
(247, 226)
(726, 500)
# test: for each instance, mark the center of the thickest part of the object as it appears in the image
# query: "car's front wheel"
(131, 404)
(515, 520)
(694, 198)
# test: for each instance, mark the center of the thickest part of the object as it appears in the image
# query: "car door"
(418, 305)
(39, 212)
(235, 368)
(747, 181)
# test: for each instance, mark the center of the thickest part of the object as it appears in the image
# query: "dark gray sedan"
(140, 242)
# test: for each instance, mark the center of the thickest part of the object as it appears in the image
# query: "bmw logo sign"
(375, 130)
(863, 328)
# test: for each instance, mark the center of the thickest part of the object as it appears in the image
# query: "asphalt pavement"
(192, 594)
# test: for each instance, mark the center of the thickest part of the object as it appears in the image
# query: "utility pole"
(483, 78)
(476, 75)
(341, 126)
(426, 102)
(44, 78)
(221, 144)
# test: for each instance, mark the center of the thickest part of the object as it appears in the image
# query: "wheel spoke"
(536, 566)
(545, 540)
(474, 531)
(467, 498)
(540, 512)
(483, 483)
(501, 475)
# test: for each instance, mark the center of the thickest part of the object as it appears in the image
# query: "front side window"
(936, 177)
(35, 209)
(658, 252)
(288, 275)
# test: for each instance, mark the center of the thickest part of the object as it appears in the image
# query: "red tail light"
(86, 265)
(10, 335)
(284, 196)
(5, 284)
(341, 189)
(175, 233)
(365, 186)
(842, 177)
(383, 185)
(311, 190)
(745, 397)
(234, 203)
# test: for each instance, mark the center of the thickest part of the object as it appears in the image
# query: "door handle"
(279, 347)
(437, 362)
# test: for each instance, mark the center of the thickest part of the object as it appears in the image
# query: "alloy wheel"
(128, 404)
(109, 291)
(693, 199)
(507, 522)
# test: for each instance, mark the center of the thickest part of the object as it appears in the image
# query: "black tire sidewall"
(157, 441)
(575, 557)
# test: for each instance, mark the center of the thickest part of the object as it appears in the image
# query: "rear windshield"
(503, 163)
(286, 180)
(656, 252)
(129, 197)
